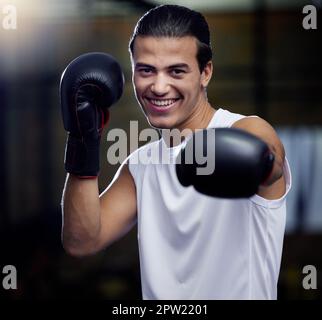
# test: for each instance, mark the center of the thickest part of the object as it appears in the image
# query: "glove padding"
(241, 162)
(89, 86)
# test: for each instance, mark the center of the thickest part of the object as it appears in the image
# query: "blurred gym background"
(265, 63)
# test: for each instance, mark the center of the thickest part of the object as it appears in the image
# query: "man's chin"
(160, 124)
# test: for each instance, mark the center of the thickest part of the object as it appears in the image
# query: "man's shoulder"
(254, 123)
(224, 118)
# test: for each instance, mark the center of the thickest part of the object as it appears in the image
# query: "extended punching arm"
(238, 162)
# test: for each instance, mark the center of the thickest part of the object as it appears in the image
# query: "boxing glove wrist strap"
(82, 157)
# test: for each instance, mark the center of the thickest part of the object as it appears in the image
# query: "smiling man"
(214, 236)
(168, 82)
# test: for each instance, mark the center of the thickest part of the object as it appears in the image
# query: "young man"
(203, 241)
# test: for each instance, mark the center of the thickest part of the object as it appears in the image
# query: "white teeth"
(163, 103)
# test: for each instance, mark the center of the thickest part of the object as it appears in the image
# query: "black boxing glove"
(224, 162)
(89, 85)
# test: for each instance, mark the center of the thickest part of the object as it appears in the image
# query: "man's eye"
(177, 72)
(145, 70)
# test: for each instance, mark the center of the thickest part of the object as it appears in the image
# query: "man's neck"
(198, 120)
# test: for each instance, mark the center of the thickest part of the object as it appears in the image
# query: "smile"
(161, 105)
(163, 102)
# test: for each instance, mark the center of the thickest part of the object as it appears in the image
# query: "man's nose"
(160, 85)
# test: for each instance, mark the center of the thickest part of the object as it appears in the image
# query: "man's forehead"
(165, 50)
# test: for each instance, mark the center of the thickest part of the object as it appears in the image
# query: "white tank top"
(193, 246)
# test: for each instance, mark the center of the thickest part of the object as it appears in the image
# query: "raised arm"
(89, 86)
(91, 221)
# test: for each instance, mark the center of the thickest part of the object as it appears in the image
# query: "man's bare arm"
(274, 187)
(92, 221)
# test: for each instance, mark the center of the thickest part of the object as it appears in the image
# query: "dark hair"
(176, 21)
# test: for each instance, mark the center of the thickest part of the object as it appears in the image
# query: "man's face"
(167, 80)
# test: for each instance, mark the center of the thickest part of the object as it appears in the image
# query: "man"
(201, 239)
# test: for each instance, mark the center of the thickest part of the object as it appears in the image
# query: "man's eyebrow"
(173, 66)
(179, 65)
(140, 65)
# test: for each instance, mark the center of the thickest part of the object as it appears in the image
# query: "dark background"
(265, 63)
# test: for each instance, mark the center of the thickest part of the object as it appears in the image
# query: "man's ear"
(206, 74)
